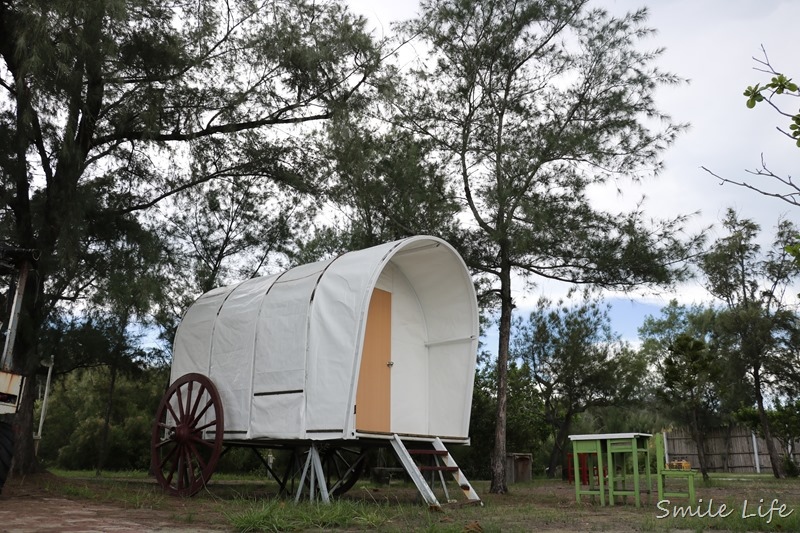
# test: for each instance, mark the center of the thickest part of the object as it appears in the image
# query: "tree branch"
(792, 198)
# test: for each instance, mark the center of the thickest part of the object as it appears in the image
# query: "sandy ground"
(26, 507)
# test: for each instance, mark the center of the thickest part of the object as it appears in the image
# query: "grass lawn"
(728, 502)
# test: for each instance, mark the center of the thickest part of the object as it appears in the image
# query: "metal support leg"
(316, 476)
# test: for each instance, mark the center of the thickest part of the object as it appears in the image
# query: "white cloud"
(710, 42)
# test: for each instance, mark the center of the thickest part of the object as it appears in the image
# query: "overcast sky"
(711, 43)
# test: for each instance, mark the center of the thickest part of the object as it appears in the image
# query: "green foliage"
(695, 383)
(790, 466)
(689, 373)
(387, 184)
(794, 249)
(756, 329)
(577, 362)
(475, 459)
(575, 357)
(753, 94)
(773, 93)
(779, 84)
(658, 333)
(527, 427)
(512, 108)
(757, 322)
(784, 421)
(112, 109)
(641, 416)
(527, 430)
(76, 408)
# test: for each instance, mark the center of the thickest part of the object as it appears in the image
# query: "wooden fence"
(734, 449)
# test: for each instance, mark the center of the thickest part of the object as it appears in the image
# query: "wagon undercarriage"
(187, 444)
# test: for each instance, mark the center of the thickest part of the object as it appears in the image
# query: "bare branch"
(792, 198)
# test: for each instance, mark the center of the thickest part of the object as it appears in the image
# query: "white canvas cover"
(285, 350)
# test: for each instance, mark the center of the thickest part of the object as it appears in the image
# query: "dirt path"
(27, 507)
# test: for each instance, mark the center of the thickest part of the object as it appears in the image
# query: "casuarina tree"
(109, 107)
(577, 363)
(757, 326)
(529, 104)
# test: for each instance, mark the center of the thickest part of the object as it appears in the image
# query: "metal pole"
(755, 453)
(5, 363)
(46, 394)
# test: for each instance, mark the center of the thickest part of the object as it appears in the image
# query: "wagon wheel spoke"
(189, 400)
(172, 471)
(343, 468)
(208, 405)
(173, 413)
(190, 477)
(180, 404)
(182, 460)
(206, 426)
(168, 456)
(164, 443)
(193, 450)
(335, 464)
(179, 470)
(204, 442)
(200, 394)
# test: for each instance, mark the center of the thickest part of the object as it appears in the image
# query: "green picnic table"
(606, 454)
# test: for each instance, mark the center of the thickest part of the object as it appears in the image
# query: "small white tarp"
(285, 351)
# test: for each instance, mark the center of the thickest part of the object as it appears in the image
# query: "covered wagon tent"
(374, 345)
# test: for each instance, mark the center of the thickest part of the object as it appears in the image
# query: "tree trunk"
(775, 459)
(558, 447)
(24, 449)
(699, 441)
(498, 485)
(726, 459)
(26, 361)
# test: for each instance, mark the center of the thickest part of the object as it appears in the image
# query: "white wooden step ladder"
(442, 462)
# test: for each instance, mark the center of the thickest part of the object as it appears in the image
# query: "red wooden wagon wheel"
(187, 435)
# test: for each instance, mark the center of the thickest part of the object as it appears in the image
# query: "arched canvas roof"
(285, 350)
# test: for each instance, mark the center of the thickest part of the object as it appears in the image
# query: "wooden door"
(373, 397)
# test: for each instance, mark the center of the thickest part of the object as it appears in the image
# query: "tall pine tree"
(108, 107)
(529, 104)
